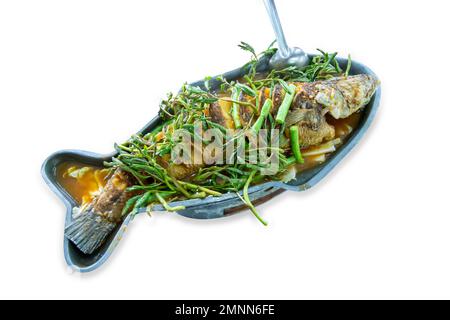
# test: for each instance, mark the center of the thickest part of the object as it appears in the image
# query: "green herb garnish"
(295, 144)
(140, 155)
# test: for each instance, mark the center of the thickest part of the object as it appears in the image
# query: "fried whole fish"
(340, 97)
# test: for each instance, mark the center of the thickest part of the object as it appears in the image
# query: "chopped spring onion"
(285, 105)
(235, 109)
(295, 144)
(262, 117)
(349, 66)
(285, 85)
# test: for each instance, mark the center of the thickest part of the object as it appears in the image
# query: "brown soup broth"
(343, 128)
(85, 185)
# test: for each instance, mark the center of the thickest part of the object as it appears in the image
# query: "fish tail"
(89, 231)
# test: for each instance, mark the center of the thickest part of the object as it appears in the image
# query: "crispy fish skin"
(277, 98)
(340, 97)
(220, 113)
(343, 96)
(246, 113)
(313, 127)
(112, 199)
(179, 171)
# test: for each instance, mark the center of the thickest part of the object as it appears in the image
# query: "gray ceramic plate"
(209, 208)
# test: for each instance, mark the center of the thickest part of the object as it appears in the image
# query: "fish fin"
(89, 231)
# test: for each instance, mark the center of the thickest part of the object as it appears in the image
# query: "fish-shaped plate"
(211, 207)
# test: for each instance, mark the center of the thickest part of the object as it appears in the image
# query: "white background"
(85, 74)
